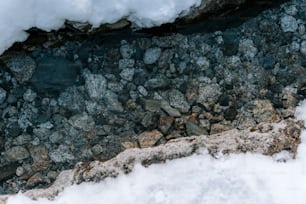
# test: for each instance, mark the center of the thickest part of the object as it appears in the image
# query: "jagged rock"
(95, 85)
(22, 67)
(148, 139)
(16, 153)
(3, 94)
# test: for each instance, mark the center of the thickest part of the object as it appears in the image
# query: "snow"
(16, 16)
(200, 179)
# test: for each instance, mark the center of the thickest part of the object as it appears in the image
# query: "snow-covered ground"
(16, 16)
(199, 179)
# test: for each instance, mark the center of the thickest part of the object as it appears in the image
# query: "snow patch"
(16, 16)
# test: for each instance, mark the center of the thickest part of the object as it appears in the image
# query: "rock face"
(265, 138)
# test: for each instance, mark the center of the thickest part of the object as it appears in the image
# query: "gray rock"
(97, 149)
(22, 67)
(126, 50)
(82, 121)
(29, 95)
(169, 110)
(288, 23)
(152, 55)
(61, 154)
(178, 101)
(246, 46)
(127, 74)
(56, 137)
(126, 63)
(303, 47)
(72, 99)
(112, 102)
(209, 94)
(22, 139)
(151, 105)
(3, 94)
(194, 130)
(16, 153)
(95, 85)
(159, 82)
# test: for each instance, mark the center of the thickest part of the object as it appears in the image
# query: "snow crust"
(200, 179)
(16, 16)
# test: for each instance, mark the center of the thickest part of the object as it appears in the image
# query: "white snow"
(200, 179)
(16, 16)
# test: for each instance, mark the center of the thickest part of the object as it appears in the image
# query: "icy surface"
(16, 16)
(200, 179)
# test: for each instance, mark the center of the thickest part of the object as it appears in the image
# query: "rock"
(129, 145)
(22, 139)
(159, 82)
(178, 101)
(55, 74)
(151, 55)
(247, 48)
(220, 127)
(56, 137)
(72, 99)
(95, 85)
(40, 158)
(149, 139)
(151, 105)
(3, 94)
(61, 154)
(169, 110)
(97, 149)
(8, 171)
(303, 47)
(112, 103)
(165, 124)
(194, 130)
(127, 74)
(16, 153)
(34, 180)
(263, 111)
(126, 50)
(82, 121)
(126, 63)
(22, 67)
(29, 95)
(149, 120)
(20, 171)
(209, 94)
(288, 23)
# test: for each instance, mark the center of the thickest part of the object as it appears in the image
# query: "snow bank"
(199, 179)
(16, 16)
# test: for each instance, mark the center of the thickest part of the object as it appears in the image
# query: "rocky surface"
(265, 138)
(65, 98)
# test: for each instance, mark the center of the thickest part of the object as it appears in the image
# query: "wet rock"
(55, 74)
(178, 101)
(16, 153)
(165, 124)
(95, 86)
(149, 139)
(22, 67)
(151, 55)
(82, 121)
(8, 171)
(194, 130)
(3, 94)
(40, 158)
(288, 23)
(29, 95)
(61, 154)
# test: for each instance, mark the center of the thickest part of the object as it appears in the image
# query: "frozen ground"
(16, 16)
(200, 179)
